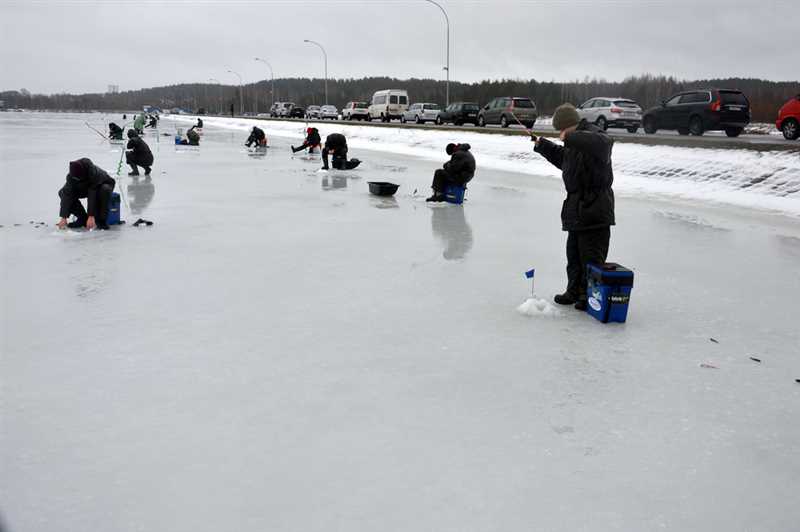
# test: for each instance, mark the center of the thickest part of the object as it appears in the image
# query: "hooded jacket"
(88, 179)
(336, 143)
(141, 151)
(313, 138)
(256, 136)
(138, 122)
(461, 165)
(585, 164)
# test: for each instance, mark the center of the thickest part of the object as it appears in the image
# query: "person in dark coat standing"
(312, 141)
(257, 137)
(336, 147)
(85, 180)
(588, 211)
(138, 154)
(459, 170)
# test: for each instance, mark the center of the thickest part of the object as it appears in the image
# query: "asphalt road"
(712, 139)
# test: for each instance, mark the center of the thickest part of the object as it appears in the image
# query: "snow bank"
(746, 178)
(535, 306)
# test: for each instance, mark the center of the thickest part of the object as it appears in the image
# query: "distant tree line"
(766, 97)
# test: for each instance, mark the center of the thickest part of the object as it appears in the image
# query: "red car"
(789, 119)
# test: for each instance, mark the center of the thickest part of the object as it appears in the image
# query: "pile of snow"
(747, 178)
(535, 306)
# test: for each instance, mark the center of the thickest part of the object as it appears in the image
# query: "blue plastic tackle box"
(114, 210)
(609, 291)
(454, 194)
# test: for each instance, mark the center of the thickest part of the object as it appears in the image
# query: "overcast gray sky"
(82, 46)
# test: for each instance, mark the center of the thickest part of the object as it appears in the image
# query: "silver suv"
(420, 113)
(612, 112)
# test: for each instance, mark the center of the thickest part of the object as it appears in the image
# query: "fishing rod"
(119, 170)
(96, 131)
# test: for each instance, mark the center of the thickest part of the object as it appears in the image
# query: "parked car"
(329, 111)
(297, 112)
(388, 104)
(699, 111)
(508, 110)
(789, 119)
(459, 113)
(312, 111)
(281, 108)
(355, 111)
(612, 112)
(420, 113)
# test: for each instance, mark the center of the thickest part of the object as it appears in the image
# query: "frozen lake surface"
(282, 351)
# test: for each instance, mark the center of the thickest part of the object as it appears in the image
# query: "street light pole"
(326, 66)
(219, 103)
(241, 92)
(447, 68)
(272, 76)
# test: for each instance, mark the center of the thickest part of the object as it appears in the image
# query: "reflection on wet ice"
(140, 194)
(449, 224)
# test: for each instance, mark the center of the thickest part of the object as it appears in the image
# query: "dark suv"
(699, 111)
(459, 113)
(508, 110)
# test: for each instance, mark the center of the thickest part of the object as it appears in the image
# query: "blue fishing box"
(454, 194)
(113, 210)
(609, 291)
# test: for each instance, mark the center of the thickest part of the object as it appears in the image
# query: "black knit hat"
(451, 148)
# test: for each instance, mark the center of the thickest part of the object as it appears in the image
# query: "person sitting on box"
(138, 154)
(192, 136)
(257, 137)
(458, 171)
(312, 141)
(588, 211)
(85, 180)
(336, 147)
(199, 123)
(114, 131)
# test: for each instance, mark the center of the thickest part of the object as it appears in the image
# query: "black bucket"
(382, 188)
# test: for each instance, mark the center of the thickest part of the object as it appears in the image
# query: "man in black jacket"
(459, 170)
(336, 146)
(85, 180)
(114, 131)
(588, 211)
(138, 154)
(312, 141)
(257, 137)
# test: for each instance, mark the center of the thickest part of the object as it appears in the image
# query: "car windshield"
(626, 103)
(734, 98)
(523, 103)
(430, 107)
(471, 107)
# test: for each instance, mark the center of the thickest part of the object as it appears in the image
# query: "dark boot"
(102, 226)
(147, 170)
(565, 299)
(135, 171)
(581, 304)
(436, 197)
(77, 224)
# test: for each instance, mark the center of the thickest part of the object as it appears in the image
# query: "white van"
(388, 104)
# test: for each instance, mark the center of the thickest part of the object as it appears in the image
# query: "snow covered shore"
(760, 180)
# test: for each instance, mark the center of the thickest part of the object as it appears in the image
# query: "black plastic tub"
(382, 188)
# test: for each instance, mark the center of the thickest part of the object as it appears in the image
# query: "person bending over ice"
(312, 141)
(257, 137)
(336, 147)
(114, 131)
(138, 154)
(85, 180)
(458, 171)
(192, 136)
(588, 211)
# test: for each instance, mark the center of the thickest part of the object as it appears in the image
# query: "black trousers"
(70, 203)
(339, 158)
(584, 247)
(441, 178)
(304, 146)
(132, 160)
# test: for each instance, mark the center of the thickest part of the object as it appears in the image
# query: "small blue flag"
(529, 273)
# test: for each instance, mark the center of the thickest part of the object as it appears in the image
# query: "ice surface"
(763, 180)
(282, 351)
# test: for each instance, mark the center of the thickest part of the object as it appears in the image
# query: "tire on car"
(696, 126)
(790, 129)
(649, 124)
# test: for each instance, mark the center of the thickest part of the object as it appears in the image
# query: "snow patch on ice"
(746, 178)
(535, 306)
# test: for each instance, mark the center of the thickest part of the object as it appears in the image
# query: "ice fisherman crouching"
(458, 171)
(85, 180)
